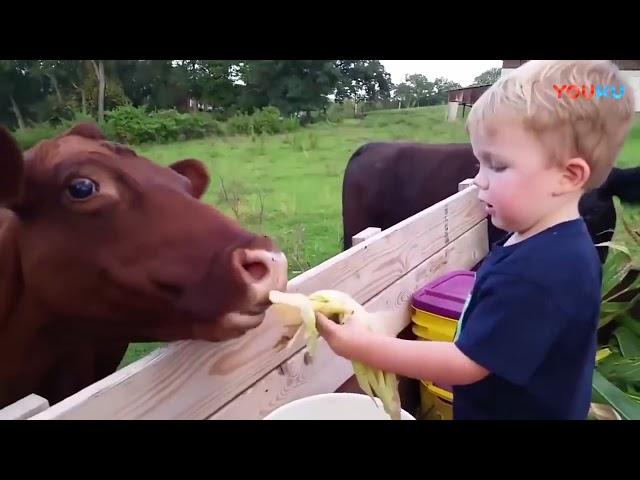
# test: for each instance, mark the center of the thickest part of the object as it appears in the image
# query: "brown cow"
(100, 247)
(386, 182)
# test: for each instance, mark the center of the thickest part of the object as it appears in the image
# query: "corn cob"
(333, 303)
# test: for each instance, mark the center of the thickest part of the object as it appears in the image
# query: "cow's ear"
(196, 172)
(12, 168)
(86, 130)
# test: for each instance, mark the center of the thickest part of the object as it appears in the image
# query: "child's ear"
(575, 174)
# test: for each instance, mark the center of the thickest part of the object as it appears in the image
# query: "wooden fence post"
(24, 408)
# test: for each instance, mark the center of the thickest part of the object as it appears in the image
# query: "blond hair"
(593, 129)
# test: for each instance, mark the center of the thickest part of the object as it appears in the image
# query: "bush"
(615, 381)
(135, 125)
(267, 120)
(339, 111)
(264, 121)
(216, 127)
(240, 124)
(291, 124)
(29, 137)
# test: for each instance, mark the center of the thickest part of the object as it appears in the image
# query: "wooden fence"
(249, 377)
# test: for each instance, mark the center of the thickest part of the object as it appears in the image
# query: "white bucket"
(334, 406)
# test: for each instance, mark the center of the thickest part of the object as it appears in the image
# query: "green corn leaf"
(614, 307)
(631, 323)
(628, 342)
(606, 319)
(633, 287)
(614, 270)
(602, 353)
(611, 311)
(597, 398)
(612, 395)
(625, 371)
(634, 235)
(616, 247)
(608, 365)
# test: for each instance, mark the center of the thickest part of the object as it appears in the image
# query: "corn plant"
(616, 380)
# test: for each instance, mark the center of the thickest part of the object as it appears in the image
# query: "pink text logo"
(587, 92)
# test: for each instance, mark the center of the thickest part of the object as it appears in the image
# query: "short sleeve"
(511, 327)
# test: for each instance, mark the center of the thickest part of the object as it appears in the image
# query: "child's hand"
(340, 337)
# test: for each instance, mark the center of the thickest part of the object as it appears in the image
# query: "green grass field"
(289, 186)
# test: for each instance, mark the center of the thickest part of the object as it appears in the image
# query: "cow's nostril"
(257, 270)
(170, 288)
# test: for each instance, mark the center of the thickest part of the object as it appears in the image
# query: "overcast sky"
(460, 71)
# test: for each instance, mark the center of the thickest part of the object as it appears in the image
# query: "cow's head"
(114, 245)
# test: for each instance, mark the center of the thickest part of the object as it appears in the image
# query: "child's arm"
(439, 362)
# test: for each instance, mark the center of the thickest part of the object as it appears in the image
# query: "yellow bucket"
(435, 402)
(433, 327)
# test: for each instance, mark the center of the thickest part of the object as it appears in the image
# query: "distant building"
(629, 69)
(465, 96)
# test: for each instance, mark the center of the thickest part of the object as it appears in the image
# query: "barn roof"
(467, 95)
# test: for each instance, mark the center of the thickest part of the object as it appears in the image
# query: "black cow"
(384, 183)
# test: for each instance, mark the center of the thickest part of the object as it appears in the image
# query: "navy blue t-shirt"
(531, 320)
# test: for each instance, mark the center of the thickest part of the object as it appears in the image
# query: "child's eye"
(498, 168)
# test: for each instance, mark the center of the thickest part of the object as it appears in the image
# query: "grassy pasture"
(289, 186)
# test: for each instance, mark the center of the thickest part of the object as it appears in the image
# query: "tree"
(78, 74)
(362, 81)
(51, 69)
(290, 85)
(421, 87)
(159, 84)
(20, 90)
(216, 82)
(405, 94)
(487, 78)
(441, 88)
(418, 90)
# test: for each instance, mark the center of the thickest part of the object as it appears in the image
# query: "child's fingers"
(325, 326)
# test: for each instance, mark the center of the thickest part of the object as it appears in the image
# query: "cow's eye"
(81, 188)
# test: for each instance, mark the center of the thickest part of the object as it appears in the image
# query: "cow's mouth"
(257, 309)
(173, 290)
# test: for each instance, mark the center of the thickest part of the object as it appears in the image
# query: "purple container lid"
(445, 295)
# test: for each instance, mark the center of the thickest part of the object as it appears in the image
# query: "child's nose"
(481, 181)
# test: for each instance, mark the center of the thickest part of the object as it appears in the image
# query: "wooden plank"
(193, 379)
(368, 268)
(24, 408)
(297, 378)
(365, 234)
(95, 390)
(465, 184)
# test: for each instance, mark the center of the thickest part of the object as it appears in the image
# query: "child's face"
(516, 181)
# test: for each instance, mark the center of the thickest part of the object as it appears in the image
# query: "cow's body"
(384, 183)
(99, 248)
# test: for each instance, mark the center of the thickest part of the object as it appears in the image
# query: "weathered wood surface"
(193, 379)
(327, 372)
(24, 408)
(365, 235)
(465, 184)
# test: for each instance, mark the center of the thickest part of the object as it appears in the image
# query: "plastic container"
(334, 406)
(436, 402)
(437, 306)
